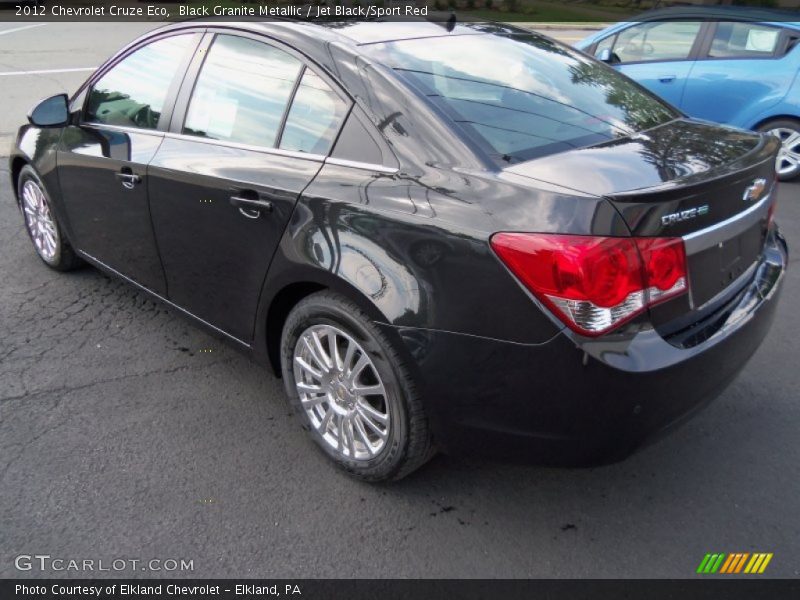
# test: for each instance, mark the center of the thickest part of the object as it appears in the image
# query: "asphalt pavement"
(127, 433)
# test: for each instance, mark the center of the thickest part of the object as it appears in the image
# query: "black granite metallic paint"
(408, 240)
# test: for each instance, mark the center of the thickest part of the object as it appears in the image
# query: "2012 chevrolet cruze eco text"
(468, 238)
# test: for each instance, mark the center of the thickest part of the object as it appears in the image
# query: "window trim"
(694, 51)
(248, 147)
(778, 53)
(363, 166)
(172, 91)
(705, 38)
(288, 109)
(186, 91)
(789, 34)
(357, 113)
(178, 108)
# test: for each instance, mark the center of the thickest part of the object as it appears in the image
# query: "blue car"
(735, 67)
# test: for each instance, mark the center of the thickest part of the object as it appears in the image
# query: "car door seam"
(150, 217)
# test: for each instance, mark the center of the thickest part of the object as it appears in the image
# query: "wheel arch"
(289, 293)
(17, 164)
(278, 311)
(776, 117)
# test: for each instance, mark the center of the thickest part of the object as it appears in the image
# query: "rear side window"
(314, 119)
(744, 40)
(133, 92)
(521, 97)
(660, 40)
(242, 92)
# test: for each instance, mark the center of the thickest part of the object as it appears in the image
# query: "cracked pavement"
(126, 432)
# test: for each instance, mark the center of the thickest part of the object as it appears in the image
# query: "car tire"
(41, 223)
(788, 130)
(352, 391)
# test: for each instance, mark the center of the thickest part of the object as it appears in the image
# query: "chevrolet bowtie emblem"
(755, 190)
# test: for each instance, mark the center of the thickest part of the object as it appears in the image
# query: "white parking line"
(46, 71)
(22, 28)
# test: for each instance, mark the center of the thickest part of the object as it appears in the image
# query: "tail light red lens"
(773, 203)
(594, 284)
(771, 215)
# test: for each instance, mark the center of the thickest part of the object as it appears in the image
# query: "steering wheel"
(637, 50)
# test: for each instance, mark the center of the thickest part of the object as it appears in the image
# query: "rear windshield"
(524, 96)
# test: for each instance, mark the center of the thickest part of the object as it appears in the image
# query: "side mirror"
(607, 56)
(51, 112)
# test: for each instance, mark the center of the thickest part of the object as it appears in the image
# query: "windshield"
(524, 96)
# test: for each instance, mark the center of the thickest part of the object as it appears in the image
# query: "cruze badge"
(755, 190)
(684, 215)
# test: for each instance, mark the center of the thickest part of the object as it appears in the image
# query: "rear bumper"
(577, 403)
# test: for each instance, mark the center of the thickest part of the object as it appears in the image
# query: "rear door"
(249, 133)
(103, 156)
(657, 54)
(743, 65)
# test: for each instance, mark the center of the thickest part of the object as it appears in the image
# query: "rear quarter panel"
(787, 106)
(409, 254)
(740, 92)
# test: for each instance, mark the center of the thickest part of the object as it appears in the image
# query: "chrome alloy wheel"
(341, 392)
(41, 225)
(789, 155)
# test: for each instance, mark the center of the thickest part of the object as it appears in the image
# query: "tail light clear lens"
(592, 283)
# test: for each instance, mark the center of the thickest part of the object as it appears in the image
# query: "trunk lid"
(708, 184)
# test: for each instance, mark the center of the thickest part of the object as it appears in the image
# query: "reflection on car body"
(434, 254)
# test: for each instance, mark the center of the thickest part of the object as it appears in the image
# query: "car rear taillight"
(771, 215)
(594, 284)
(773, 203)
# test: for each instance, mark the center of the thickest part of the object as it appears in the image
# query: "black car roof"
(359, 33)
(371, 32)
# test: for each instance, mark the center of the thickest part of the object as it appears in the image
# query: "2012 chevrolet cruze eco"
(467, 238)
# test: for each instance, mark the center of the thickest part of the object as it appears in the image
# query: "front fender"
(38, 147)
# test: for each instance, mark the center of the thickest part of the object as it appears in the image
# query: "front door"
(666, 80)
(102, 159)
(658, 55)
(225, 181)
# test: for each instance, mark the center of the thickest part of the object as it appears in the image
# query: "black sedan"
(463, 238)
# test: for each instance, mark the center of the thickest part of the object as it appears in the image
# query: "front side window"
(660, 40)
(744, 40)
(133, 92)
(522, 96)
(314, 119)
(242, 92)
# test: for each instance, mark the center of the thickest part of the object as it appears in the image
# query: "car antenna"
(451, 22)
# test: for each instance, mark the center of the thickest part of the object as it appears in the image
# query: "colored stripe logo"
(737, 562)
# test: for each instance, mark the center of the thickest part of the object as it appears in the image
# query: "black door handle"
(128, 178)
(250, 204)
